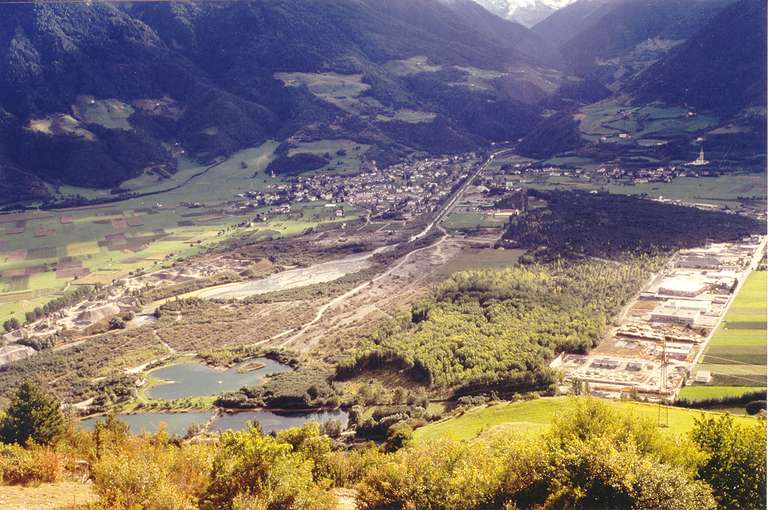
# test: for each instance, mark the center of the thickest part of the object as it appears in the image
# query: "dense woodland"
(497, 329)
(577, 224)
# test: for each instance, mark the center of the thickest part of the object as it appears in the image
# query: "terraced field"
(737, 352)
(535, 416)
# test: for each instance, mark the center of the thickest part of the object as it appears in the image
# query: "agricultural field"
(410, 66)
(606, 120)
(341, 90)
(702, 392)
(479, 258)
(346, 156)
(44, 252)
(535, 416)
(737, 352)
(406, 115)
(470, 220)
(732, 190)
(108, 113)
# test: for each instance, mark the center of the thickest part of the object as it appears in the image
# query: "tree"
(33, 415)
(399, 435)
(735, 464)
(11, 324)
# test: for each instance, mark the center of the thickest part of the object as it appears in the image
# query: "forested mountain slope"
(91, 94)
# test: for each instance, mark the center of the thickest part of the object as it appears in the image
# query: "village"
(656, 346)
(403, 191)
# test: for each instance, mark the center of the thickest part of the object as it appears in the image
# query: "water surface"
(188, 380)
(175, 423)
(273, 421)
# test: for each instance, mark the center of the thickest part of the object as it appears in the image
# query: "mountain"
(614, 40)
(722, 67)
(525, 12)
(94, 94)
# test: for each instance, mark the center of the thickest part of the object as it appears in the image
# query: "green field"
(607, 119)
(341, 90)
(736, 355)
(472, 220)
(407, 115)
(694, 393)
(536, 415)
(107, 241)
(346, 156)
(724, 190)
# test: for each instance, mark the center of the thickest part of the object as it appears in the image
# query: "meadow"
(730, 190)
(736, 355)
(535, 416)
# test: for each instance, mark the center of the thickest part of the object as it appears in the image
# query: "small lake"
(179, 423)
(198, 380)
(175, 423)
(271, 421)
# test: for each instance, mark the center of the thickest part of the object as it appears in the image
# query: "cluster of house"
(655, 349)
(407, 189)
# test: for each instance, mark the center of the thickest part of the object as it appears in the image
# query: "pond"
(187, 380)
(179, 423)
(272, 421)
(175, 423)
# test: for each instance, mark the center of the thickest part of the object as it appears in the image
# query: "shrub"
(34, 465)
(755, 407)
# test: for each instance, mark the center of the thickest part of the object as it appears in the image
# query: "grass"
(478, 258)
(536, 415)
(406, 115)
(724, 190)
(341, 90)
(61, 495)
(737, 351)
(472, 220)
(347, 162)
(694, 393)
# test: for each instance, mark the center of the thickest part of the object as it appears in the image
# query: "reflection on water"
(273, 421)
(175, 423)
(197, 380)
(179, 423)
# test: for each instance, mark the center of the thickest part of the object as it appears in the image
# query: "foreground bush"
(253, 471)
(30, 466)
(592, 458)
(149, 472)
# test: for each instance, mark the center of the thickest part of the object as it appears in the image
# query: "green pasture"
(407, 115)
(737, 352)
(348, 161)
(341, 90)
(471, 220)
(413, 65)
(726, 190)
(109, 113)
(608, 118)
(701, 392)
(535, 416)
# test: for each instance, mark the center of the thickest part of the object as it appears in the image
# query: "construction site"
(654, 347)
